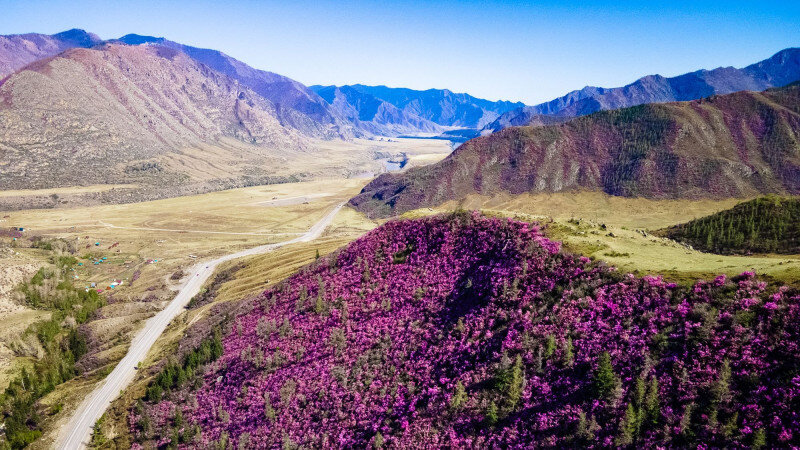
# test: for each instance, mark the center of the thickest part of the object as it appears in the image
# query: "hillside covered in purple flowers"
(468, 331)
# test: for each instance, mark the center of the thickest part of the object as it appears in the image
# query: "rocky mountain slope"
(297, 106)
(117, 112)
(374, 115)
(439, 106)
(779, 70)
(736, 145)
(19, 50)
(470, 332)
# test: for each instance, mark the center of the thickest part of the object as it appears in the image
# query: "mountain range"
(75, 109)
(778, 70)
(297, 106)
(439, 107)
(422, 110)
(733, 145)
(19, 50)
(373, 114)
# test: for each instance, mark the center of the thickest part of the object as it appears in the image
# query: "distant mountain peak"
(778, 70)
(441, 107)
(19, 50)
(138, 39)
(79, 37)
(786, 53)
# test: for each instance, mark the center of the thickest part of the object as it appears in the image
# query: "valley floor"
(148, 245)
(223, 166)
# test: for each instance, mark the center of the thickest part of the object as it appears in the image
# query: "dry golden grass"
(643, 253)
(171, 230)
(65, 190)
(600, 207)
(16, 266)
(263, 270)
(419, 151)
(14, 325)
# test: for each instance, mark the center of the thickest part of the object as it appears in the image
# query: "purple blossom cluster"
(468, 331)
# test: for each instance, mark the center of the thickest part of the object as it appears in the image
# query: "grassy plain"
(65, 190)
(600, 207)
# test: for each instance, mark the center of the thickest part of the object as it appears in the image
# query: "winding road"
(77, 433)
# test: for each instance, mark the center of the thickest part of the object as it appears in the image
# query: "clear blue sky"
(529, 51)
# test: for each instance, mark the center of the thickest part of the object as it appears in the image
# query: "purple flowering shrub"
(468, 331)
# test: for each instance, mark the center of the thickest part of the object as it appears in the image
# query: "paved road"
(77, 433)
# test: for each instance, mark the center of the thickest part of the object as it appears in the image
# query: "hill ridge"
(733, 145)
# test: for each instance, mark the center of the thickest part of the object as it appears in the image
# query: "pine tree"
(651, 406)
(492, 414)
(627, 428)
(516, 384)
(606, 382)
(759, 439)
(459, 397)
(569, 353)
(378, 442)
(720, 391)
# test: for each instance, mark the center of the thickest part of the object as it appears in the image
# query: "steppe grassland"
(205, 166)
(419, 151)
(314, 158)
(171, 231)
(600, 207)
(65, 190)
(235, 211)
